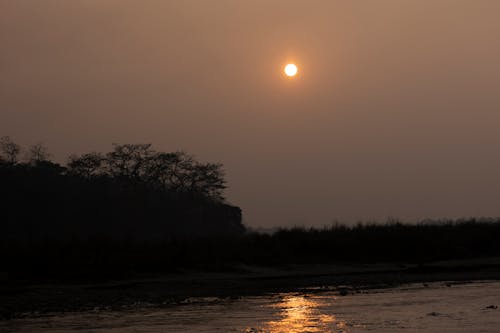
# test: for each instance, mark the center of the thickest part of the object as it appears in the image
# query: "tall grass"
(363, 243)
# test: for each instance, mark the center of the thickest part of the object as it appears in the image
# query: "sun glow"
(291, 70)
(302, 314)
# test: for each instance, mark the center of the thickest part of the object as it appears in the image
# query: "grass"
(101, 257)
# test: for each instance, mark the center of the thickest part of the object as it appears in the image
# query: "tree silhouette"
(87, 166)
(207, 179)
(129, 160)
(38, 153)
(138, 163)
(131, 192)
(9, 150)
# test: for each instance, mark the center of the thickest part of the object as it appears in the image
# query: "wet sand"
(26, 300)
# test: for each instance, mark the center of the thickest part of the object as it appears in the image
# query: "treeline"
(374, 243)
(130, 193)
(128, 163)
(423, 242)
(134, 210)
(426, 241)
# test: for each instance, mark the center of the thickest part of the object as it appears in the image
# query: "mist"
(394, 112)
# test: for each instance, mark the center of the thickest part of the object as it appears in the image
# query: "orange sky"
(395, 112)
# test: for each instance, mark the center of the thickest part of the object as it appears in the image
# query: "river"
(436, 307)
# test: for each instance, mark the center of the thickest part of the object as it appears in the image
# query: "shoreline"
(26, 300)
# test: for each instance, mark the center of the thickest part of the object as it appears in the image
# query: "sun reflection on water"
(300, 314)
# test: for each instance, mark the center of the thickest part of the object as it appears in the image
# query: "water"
(414, 308)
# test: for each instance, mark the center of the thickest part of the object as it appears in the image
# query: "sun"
(291, 70)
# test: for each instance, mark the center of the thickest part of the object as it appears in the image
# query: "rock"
(343, 292)
(434, 314)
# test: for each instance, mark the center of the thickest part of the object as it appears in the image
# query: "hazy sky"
(396, 111)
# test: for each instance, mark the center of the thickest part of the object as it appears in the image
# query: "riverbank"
(29, 299)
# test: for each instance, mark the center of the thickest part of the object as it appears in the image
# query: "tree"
(178, 171)
(208, 180)
(159, 169)
(87, 166)
(38, 153)
(172, 172)
(9, 150)
(129, 160)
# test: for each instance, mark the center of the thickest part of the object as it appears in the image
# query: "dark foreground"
(26, 299)
(40, 275)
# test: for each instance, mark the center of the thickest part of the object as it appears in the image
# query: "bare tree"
(129, 160)
(177, 172)
(9, 150)
(159, 169)
(180, 172)
(38, 153)
(87, 166)
(207, 179)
